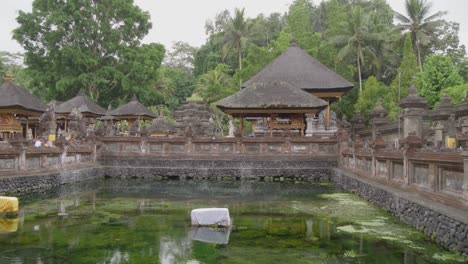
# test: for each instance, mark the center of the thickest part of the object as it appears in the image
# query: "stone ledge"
(447, 225)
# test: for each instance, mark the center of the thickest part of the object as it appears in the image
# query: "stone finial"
(344, 122)
(412, 141)
(134, 98)
(413, 100)
(379, 115)
(445, 109)
(379, 111)
(445, 101)
(358, 120)
(8, 76)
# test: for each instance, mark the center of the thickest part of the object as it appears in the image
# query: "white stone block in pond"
(210, 235)
(211, 216)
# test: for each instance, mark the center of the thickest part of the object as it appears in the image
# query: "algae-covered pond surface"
(149, 222)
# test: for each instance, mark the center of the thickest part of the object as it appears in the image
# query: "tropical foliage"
(96, 46)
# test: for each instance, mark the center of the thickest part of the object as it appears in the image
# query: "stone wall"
(235, 168)
(280, 146)
(22, 184)
(28, 159)
(445, 225)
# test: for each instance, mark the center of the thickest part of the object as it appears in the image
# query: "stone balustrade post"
(464, 154)
(22, 159)
(143, 145)
(406, 167)
(63, 156)
(413, 110)
(188, 145)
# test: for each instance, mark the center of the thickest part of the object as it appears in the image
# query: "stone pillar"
(358, 123)
(413, 110)
(441, 121)
(188, 145)
(143, 145)
(310, 124)
(22, 159)
(464, 154)
(379, 118)
(438, 135)
(377, 145)
(410, 144)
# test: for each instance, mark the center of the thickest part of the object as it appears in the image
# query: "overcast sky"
(184, 20)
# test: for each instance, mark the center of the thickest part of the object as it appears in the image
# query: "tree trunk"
(419, 55)
(239, 54)
(359, 73)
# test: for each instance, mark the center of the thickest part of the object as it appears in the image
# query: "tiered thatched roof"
(301, 70)
(266, 96)
(133, 109)
(82, 102)
(16, 98)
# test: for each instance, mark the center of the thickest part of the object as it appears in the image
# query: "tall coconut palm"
(237, 35)
(356, 39)
(419, 23)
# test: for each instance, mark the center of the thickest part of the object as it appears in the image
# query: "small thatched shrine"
(160, 128)
(17, 104)
(133, 111)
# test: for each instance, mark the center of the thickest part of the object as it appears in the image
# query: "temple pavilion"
(294, 68)
(17, 106)
(283, 105)
(133, 111)
(87, 107)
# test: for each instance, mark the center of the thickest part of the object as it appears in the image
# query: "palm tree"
(419, 23)
(357, 38)
(214, 85)
(237, 35)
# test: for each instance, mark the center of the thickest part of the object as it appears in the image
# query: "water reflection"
(173, 251)
(210, 235)
(8, 225)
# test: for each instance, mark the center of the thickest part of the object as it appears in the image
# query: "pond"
(141, 221)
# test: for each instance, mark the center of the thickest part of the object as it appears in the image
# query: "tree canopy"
(96, 47)
(93, 46)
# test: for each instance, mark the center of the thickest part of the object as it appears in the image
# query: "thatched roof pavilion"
(15, 99)
(133, 110)
(300, 69)
(295, 82)
(88, 108)
(283, 104)
(16, 103)
(264, 98)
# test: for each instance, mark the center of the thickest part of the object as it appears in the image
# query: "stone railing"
(219, 146)
(28, 158)
(438, 173)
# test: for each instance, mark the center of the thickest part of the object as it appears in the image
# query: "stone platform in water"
(210, 217)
